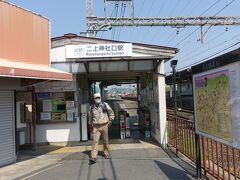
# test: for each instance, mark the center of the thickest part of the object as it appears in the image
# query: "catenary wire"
(210, 7)
(116, 14)
(133, 29)
(208, 57)
(213, 55)
(122, 15)
(217, 45)
(147, 14)
(180, 42)
(208, 42)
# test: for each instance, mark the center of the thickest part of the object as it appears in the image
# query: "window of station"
(56, 107)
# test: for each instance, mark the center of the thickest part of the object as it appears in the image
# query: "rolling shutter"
(7, 139)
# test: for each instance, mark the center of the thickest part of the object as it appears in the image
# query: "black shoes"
(92, 161)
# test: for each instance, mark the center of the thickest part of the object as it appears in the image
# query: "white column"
(162, 106)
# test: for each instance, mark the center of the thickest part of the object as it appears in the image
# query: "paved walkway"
(135, 159)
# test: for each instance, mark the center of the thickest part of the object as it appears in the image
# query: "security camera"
(174, 63)
(109, 27)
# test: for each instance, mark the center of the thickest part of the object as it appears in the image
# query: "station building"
(62, 106)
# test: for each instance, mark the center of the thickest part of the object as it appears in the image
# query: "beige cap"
(96, 95)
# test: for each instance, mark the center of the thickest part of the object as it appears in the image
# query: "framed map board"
(217, 104)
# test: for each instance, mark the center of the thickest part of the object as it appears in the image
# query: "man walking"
(100, 118)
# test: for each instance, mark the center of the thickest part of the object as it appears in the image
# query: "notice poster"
(47, 105)
(216, 99)
(45, 116)
(70, 105)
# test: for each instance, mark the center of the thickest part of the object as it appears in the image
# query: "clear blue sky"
(69, 16)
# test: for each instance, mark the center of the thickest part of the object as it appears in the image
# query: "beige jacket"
(97, 116)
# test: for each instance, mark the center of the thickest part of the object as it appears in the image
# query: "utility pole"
(92, 28)
(173, 66)
(89, 13)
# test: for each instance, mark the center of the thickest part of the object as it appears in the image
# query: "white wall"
(57, 54)
(62, 132)
(57, 86)
(58, 132)
(160, 132)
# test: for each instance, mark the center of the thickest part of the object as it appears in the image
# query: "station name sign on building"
(99, 50)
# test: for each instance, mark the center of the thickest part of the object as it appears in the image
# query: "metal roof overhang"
(31, 71)
(112, 65)
(111, 59)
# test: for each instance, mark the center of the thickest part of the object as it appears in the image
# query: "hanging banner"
(99, 50)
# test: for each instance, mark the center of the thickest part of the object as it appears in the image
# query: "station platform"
(140, 159)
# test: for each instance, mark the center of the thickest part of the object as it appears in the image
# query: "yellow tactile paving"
(142, 145)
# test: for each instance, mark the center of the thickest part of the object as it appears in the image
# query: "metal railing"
(219, 160)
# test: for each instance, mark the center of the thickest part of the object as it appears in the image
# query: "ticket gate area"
(131, 121)
(124, 119)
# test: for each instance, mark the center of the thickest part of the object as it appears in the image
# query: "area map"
(213, 107)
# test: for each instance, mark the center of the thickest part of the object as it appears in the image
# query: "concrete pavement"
(134, 159)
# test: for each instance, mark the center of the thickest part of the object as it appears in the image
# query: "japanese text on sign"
(99, 50)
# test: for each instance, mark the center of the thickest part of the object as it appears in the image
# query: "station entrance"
(131, 96)
(106, 63)
(122, 97)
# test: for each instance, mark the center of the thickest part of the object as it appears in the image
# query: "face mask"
(97, 100)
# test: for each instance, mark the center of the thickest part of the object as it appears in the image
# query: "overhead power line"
(160, 9)
(170, 14)
(208, 57)
(116, 14)
(186, 54)
(210, 7)
(149, 11)
(228, 4)
(113, 11)
(215, 46)
(211, 56)
(123, 9)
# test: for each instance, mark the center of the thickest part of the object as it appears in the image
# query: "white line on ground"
(44, 170)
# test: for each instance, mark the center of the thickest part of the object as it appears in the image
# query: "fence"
(219, 160)
(184, 102)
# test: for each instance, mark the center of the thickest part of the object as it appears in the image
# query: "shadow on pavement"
(182, 163)
(172, 172)
(88, 153)
(85, 155)
(26, 154)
